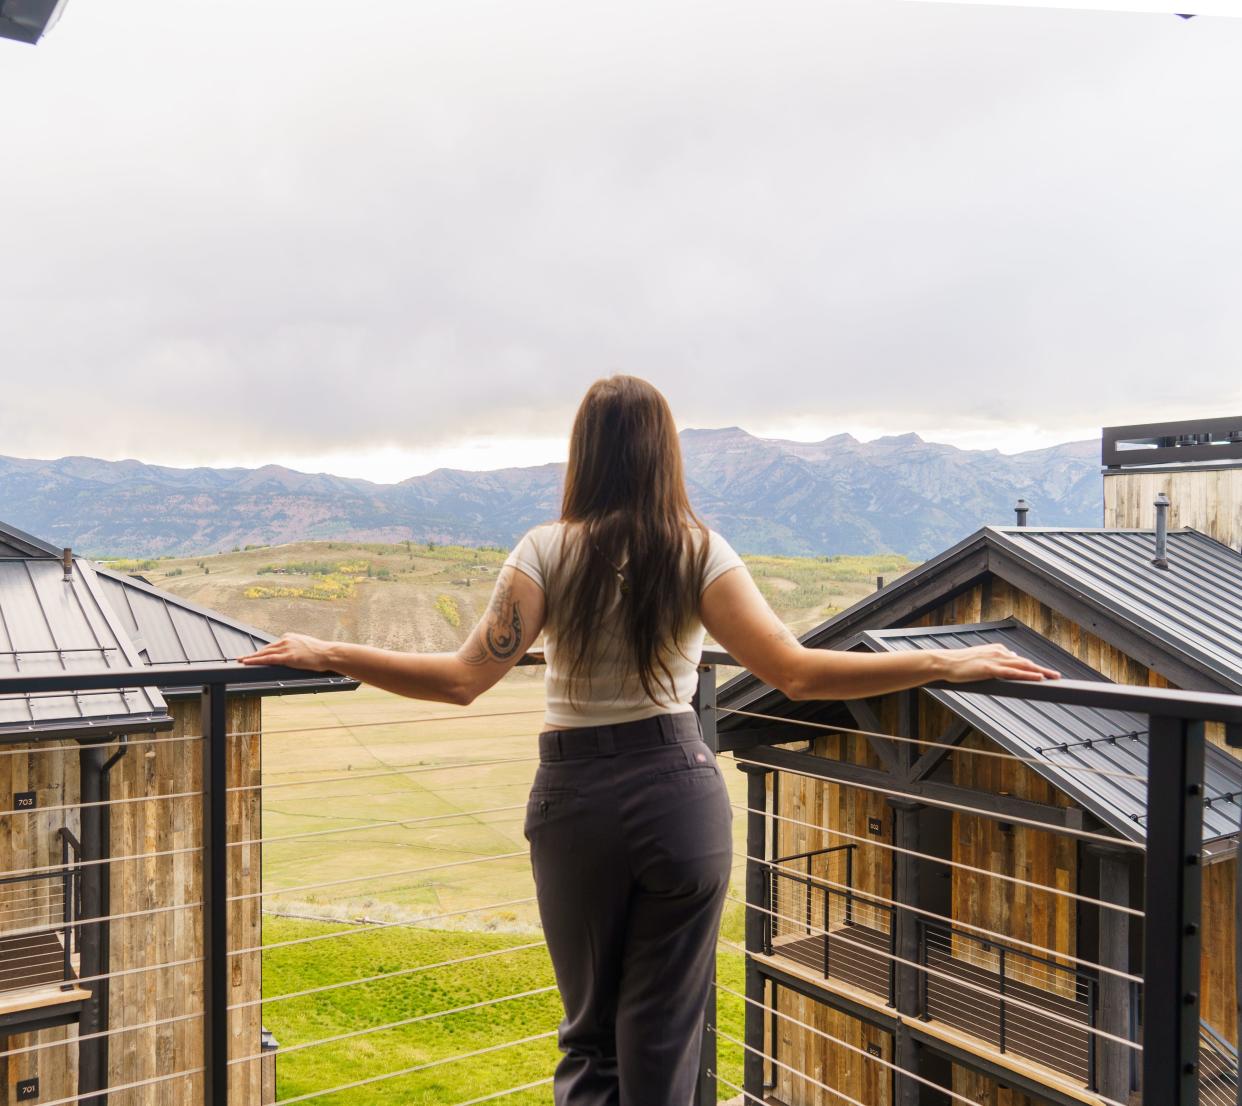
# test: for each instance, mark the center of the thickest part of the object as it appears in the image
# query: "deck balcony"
(802, 923)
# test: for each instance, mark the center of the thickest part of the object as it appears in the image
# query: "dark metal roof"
(167, 629)
(50, 623)
(1070, 746)
(1195, 606)
(1186, 621)
(17, 543)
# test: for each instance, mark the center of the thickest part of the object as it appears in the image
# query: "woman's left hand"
(292, 651)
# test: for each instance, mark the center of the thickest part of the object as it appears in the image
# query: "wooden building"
(104, 822)
(944, 899)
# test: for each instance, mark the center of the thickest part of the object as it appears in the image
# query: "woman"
(628, 819)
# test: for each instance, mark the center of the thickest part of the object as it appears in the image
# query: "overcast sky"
(374, 238)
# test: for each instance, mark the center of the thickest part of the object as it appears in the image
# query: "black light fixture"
(29, 20)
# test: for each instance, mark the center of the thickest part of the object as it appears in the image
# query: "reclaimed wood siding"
(1209, 501)
(819, 1061)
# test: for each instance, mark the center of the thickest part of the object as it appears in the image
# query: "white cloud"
(282, 232)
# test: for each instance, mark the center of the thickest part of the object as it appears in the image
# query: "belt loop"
(560, 748)
(668, 728)
(604, 741)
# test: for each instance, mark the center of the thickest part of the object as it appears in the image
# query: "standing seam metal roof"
(50, 623)
(1195, 605)
(1070, 746)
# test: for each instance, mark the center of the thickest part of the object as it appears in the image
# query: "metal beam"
(216, 974)
(986, 803)
(1173, 922)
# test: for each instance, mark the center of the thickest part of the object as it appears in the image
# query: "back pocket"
(547, 805)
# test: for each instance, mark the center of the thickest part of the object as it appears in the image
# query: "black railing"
(27, 962)
(1171, 923)
(1021, 1003)
(1218, 1064)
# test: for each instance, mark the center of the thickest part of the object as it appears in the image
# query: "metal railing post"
(1171, 936)
(213, 719)
(705, 707)
(757, 927)
(1001, 1018)
(921, 928)
(849, 882)
(66, 912)
(827, 929)
(1092, 1002)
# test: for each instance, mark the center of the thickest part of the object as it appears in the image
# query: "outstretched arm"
(739, 618)
(514, 618)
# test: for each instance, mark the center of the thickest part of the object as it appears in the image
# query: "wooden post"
(1113, 1061)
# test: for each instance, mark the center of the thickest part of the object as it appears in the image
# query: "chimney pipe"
(1161, 559)
(66, 560)
(1020, 509)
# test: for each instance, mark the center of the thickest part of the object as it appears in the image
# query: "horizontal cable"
(373, 927)
(995, 754)
(398, 722)
(869, 896)
(62, 870)
(958, 981)
(435, 1064)
(130, 914)
(355, 1033)
(398, 770)
(1004, 876)
(1066, 831)
(123, 1087)
(374, 876)
(846, 1044)
(78, 1038)
(75, 747)
(388, 975)
(378, 825)
(789, 1068)
(104, 802)
(141, 969)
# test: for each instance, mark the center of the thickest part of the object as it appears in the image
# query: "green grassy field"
(504, 967)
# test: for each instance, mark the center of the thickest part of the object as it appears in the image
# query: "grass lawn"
(497, 973)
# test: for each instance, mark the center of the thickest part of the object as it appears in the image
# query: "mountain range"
(897, 494)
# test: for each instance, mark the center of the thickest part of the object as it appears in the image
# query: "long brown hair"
(626, 492)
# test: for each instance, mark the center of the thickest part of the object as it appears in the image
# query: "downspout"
(96, 840)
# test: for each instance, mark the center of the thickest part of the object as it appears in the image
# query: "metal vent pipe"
(1161, 559)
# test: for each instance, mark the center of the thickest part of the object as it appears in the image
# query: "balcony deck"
(1036, 1046)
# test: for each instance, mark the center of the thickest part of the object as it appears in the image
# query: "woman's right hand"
(990, 662)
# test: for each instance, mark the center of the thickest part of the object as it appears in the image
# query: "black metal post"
(809, 892)
(758, 926)
(1092, 1007)
(705, 706)
(827, 928)
(849, 882)
(1001, 1018)
(1171, 937)
(93, 1020)
(922, 932)
(214, 722)
(66, 912)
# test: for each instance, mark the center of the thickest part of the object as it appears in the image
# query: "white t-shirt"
(614, 692)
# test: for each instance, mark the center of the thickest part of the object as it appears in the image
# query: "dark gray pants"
(631, 845)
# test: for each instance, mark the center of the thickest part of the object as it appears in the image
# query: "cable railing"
(242, 893)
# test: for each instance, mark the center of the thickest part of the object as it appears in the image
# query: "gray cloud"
(236, 228)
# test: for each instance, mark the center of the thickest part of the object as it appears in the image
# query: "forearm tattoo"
(500, 636)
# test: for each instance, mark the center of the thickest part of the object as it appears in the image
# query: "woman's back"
(608, 690)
